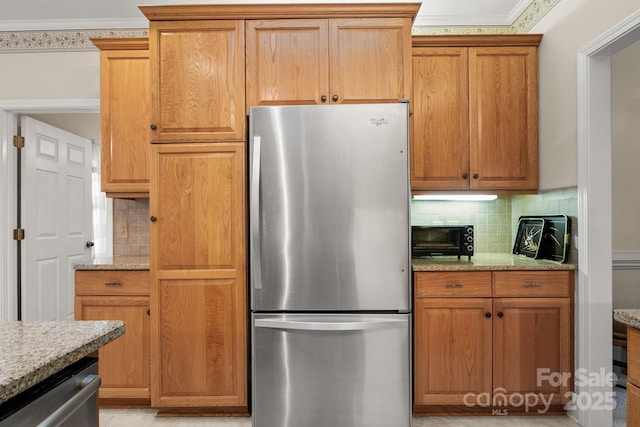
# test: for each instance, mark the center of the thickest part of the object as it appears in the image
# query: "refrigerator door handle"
(255, 214)
(330, 326)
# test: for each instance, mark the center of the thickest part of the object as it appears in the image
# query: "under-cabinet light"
(457, 197)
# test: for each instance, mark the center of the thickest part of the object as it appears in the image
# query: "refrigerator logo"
(379, 122)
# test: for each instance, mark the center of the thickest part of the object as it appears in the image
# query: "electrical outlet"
(122, 231)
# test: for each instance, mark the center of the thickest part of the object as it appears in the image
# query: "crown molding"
(76, 35)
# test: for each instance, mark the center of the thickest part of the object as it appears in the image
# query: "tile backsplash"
(491, 220)
(130, 227)
(496, 221)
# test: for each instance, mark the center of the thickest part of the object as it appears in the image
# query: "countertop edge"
(40, 372)
(488, 262)
(629, 317)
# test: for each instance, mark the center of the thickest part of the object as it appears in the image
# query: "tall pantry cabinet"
(208, 65)
(198, 213)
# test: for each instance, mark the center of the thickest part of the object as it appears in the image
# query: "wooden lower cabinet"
(453, 347)
(198, 271)
(484, 341)
(123, 363)
(633, 376)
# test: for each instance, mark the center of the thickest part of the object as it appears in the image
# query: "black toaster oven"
(442, 240)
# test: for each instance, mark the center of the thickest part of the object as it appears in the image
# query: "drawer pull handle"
(453, 285)
(113, 284)
(532, 285)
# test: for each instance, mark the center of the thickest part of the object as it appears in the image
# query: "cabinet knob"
(152, 218)
(487, 315)
(335, 98)
(465, 176)
(153, 126)
(149, 312)
(500, 314)
(323, 98)
(89, 244)
(475, 176)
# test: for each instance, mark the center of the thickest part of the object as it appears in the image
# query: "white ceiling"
(32, 15)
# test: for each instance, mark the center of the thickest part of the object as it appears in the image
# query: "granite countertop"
(116, 263)
(487, 262)
(630, 317)
(32, 351)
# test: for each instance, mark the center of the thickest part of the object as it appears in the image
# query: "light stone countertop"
(31, 351)
(117, 263)
(481, 262)
(630, 317)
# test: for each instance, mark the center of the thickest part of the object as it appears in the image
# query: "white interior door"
(56, 217)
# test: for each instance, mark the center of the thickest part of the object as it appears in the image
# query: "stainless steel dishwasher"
(68, 398)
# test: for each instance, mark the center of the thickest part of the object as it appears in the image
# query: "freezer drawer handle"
(329, 326)
(88, 387)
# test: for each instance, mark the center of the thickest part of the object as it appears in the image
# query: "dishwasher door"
(331, 370)
(68, 398)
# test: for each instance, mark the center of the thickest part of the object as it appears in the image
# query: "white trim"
(593, 297)
(518, 10)
(8, 290)
(73, 24)
(38, 106)
(8, 125)
(626, 260)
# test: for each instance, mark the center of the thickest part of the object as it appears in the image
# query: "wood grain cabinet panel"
(531, 334)
(452, 349)
(124, 364)
(198, 252)
(328, 61)
(475, 113)
(197, 80)
(125, 114)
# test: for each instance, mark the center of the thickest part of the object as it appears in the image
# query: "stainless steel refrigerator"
(330, 266)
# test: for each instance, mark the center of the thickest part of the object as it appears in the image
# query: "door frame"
(9, 109)
(594, 302)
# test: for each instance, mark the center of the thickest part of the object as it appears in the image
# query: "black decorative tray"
(554, 240)
(529, 236)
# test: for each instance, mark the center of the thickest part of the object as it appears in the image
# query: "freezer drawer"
(331, 370)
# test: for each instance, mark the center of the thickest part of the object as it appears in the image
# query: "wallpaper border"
(80, 40)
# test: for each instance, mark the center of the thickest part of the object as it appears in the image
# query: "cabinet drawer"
(452, 284)
(532, 283)
(112, 282)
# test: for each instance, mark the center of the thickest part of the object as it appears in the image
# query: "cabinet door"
(198, 275)
(197, 80)
(370, 60)
(123, 363)
(440, 119)
(125, 114)
(287, 62)
(633, 405)
(531, 339)
(503, 118)
(452, 350)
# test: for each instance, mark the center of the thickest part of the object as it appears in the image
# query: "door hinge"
(18, 141)
(18, 234)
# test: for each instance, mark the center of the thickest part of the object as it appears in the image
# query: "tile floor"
(146, 417)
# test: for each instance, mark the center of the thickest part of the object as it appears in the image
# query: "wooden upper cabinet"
(475, 121)
(503, 121)
(440, 153)
(197, 80)
(287, 62)
(125, 114)
(328, 61)
(370, 60)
